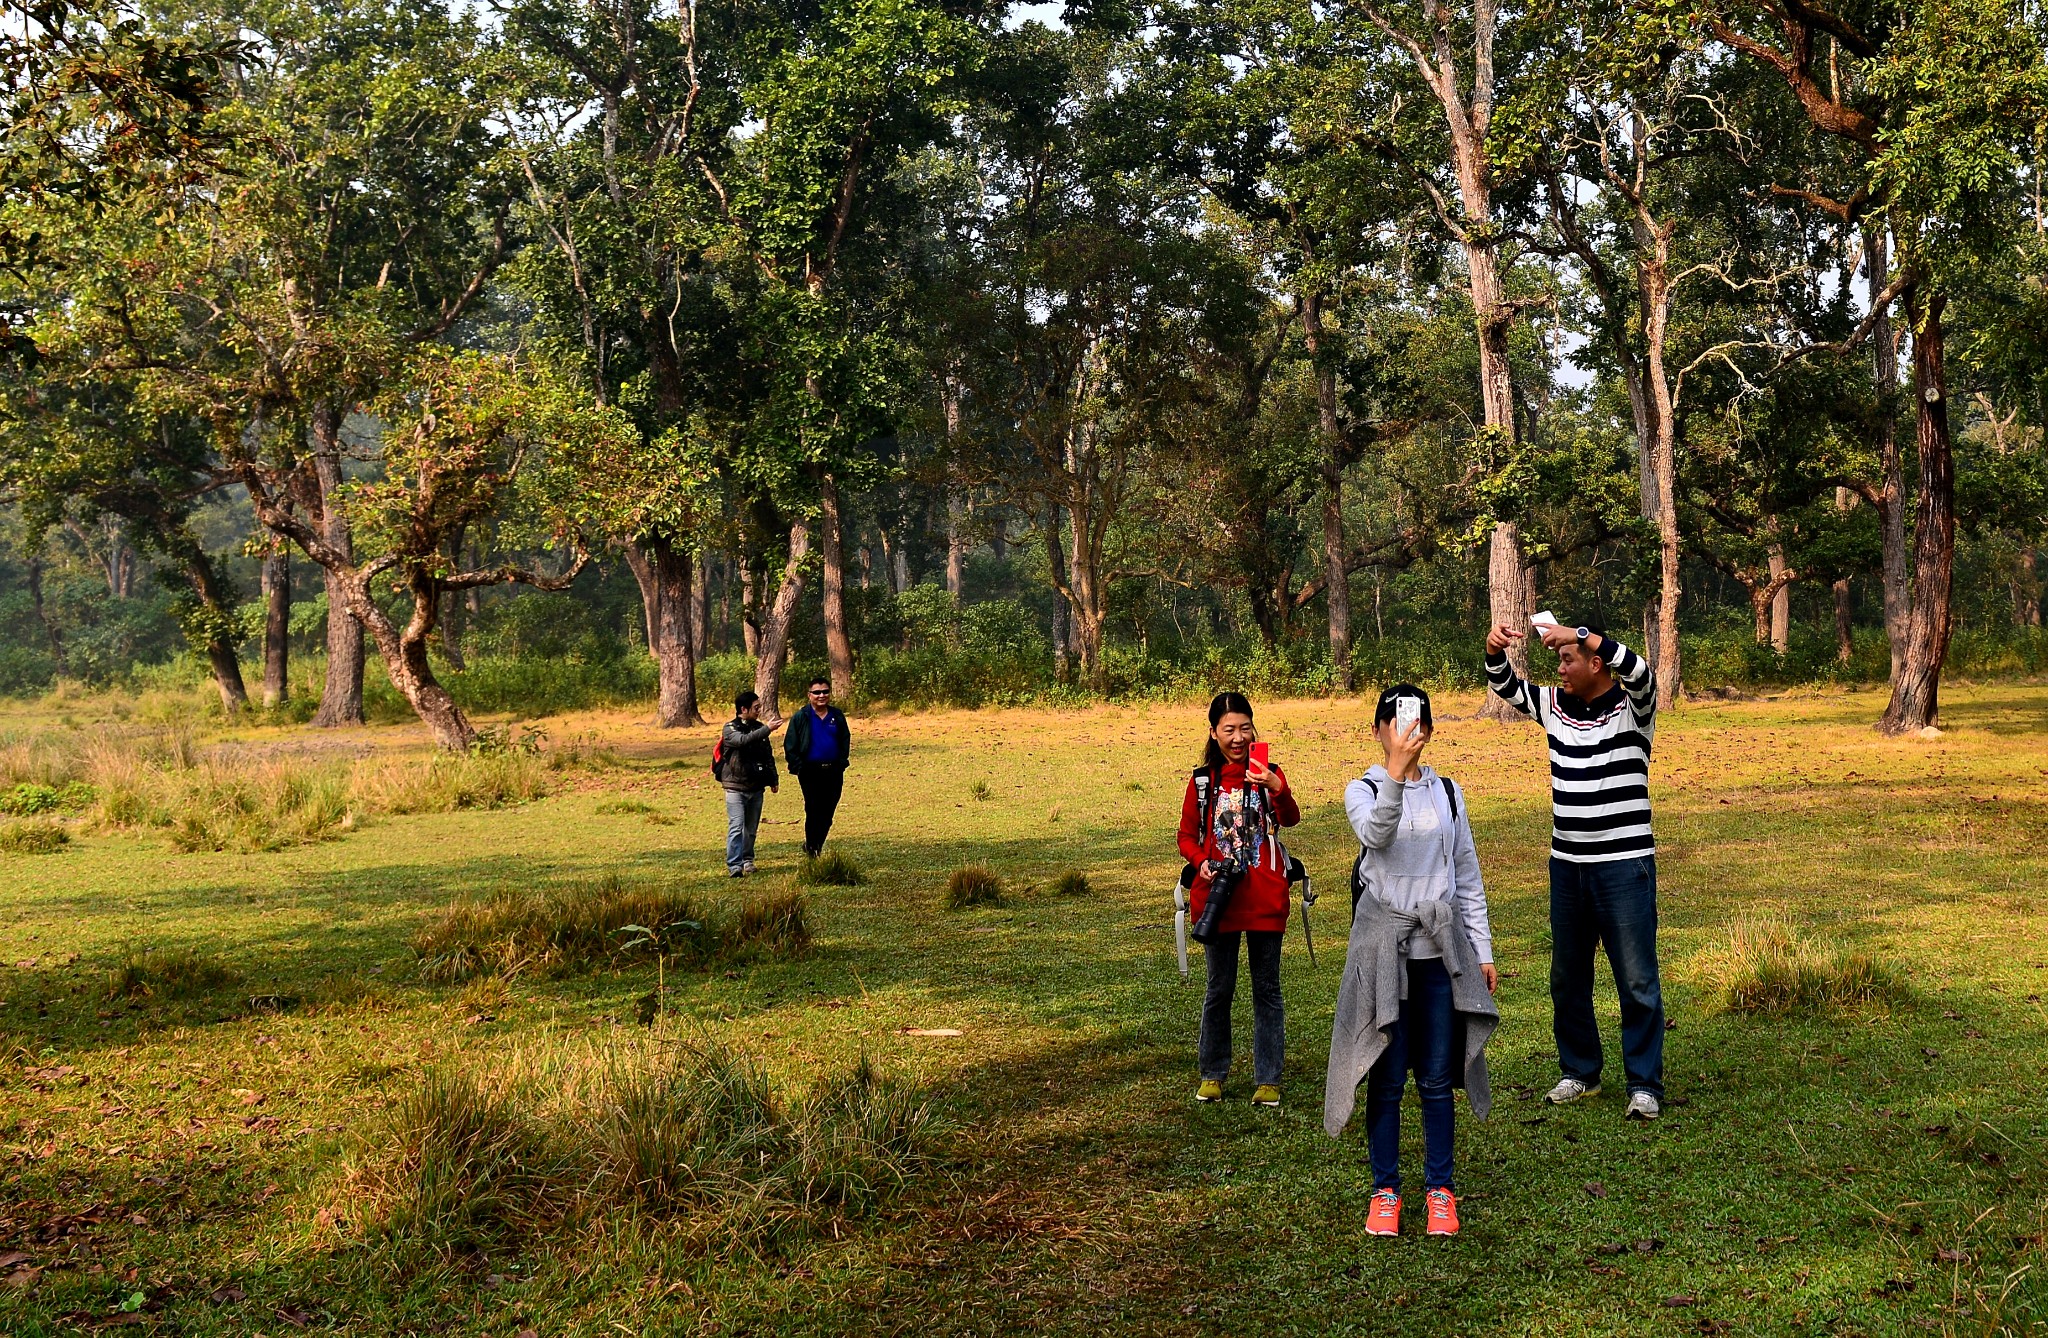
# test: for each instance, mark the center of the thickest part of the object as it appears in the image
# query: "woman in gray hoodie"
(1417, 880)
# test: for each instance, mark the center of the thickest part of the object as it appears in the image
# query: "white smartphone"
(1407, 710)
(1544, 619)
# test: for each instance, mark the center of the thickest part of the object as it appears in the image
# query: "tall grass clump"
(975, 885)
(575, 926)
(174, 973)
(1769, 970)
(693, 1137)
(35, 837)
(226, 804)
(447, 782)
(830, 869)
(1072, 883)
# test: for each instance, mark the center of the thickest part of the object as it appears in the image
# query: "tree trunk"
(676, 703)
(1062, 620)
(1845, 641)
(2026, 591)
(1653, 278)
(831, 543)
(35, 592)
(1781, 603)
(277, 623)
(1891, 489)
(773, 646)
(956, 499)
(1506, 582)
(1336, 451)
(750, 605)
(641, 564)
(341, 700)
(700, 606)
(452, 620)
(405, 659)
(217, 640)
(1916, 696)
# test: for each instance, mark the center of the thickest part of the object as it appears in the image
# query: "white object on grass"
(1180, 927)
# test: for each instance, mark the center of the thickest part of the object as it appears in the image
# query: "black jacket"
(796, 740)
(747, 757)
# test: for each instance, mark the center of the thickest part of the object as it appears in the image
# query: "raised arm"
(1633, 672)
(1374, 808)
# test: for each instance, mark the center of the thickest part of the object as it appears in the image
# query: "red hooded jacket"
(1261, 900)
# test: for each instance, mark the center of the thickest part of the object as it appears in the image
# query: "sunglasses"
(821, 692)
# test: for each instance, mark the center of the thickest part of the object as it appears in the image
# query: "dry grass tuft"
(690, 1135)
(1770, 970)
(573, 926)
(1072, 883)
(176, 973)
(33, 838)
(830, 869)
(975, 885)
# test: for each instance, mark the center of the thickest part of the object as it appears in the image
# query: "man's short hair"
(746, 698)
(819, 682)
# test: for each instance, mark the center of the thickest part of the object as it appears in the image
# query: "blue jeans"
(1613, 903)
(1422, 1040)
(742, 820)
(1269, 1013)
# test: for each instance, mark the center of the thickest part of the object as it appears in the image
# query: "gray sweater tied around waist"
(1375, 982)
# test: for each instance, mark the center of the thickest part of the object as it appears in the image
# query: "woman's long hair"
(1226, 703)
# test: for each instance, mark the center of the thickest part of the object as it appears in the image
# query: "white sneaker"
(1642, 1106)
(1569, 1090)
(748, 868)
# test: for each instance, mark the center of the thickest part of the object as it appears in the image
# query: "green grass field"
(202, 1164)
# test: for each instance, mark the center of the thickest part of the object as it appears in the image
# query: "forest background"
(572, 353)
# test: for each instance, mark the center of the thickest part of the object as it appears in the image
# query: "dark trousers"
(1422, 1042)
(1269, 1014)
(822, 787)
(1611, 904)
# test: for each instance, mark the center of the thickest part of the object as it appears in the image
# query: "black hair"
(816, 681)
(1225, 703)
(1385, 711)
(746, 698)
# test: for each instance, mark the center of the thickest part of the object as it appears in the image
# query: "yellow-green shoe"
(1267, 1094)
(1210, 1090)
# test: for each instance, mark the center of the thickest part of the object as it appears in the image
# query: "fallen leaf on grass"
(228, 1295)
(294, 1316)
(1596, 1189)
(1679, 1302)
(248, 1097)
(1952, 1256)
(13, 1257)
(24, 1277)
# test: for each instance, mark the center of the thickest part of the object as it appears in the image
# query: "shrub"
(33, 838)
(572, 927)
(616, 806)
(1072, 883)
(176, 973)
(975, 885)
(1769, 970)
(830, 869)
(28, 798)
(265, 807)
(692, 1134)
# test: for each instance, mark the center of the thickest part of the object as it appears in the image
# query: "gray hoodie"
(1413, 849)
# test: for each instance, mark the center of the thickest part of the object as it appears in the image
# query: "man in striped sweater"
(1603, 858)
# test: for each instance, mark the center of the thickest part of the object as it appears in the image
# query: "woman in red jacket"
(1230, 835)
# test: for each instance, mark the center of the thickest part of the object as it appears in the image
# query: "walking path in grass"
(208, 1154)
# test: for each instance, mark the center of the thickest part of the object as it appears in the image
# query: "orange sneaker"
(1384, 1217)
(1443, 1213)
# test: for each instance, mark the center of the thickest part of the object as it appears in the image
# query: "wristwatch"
(1585, 634)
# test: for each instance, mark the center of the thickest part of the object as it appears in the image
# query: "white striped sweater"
(1599, 756)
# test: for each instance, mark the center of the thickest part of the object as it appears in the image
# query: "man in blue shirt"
(817, 745)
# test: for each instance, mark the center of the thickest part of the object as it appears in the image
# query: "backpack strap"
(1451, 793)
(1207, 778)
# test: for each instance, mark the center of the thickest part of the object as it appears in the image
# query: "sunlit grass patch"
(573, 926)
(975, 885)
(1769, 969)
(688, 1135)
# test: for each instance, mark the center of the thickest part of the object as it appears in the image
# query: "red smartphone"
(1262, 753)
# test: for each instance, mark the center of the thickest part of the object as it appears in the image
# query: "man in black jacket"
(746, 767)
(817, 745)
